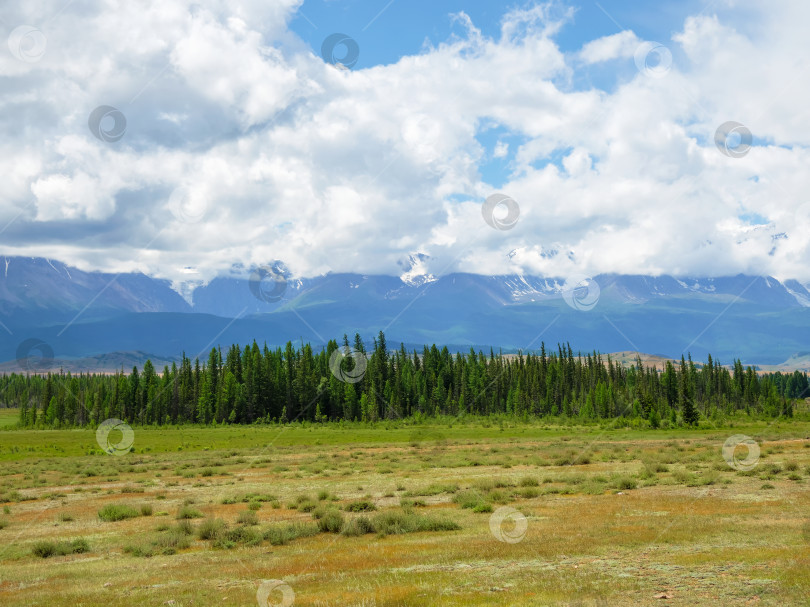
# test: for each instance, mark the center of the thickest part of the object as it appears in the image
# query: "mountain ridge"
(756, 318)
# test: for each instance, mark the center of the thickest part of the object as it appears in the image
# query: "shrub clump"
(45, 548)
(247, 517)
(626, 483)
(434, 489)
(398, 522)
(414, 503)
(529, 492)
(168, 542)
(307, 506)
(229, 538)
(331, 521)
(278, 535)
(469, 499)
(117, 512)
(360, 525)
(187, 512)
(360, 506)
(210, 529)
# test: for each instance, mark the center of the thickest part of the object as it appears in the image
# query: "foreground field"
(474, 513)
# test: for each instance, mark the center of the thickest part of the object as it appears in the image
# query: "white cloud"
(621, 45)
(283, 157)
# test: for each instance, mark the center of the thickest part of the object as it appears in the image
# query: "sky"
(186, 139)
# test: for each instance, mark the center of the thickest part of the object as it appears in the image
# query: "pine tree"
(50, 414)
(655, 418)
(690, 414)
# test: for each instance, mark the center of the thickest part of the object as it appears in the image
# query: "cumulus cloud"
(243, 146)
(623, 44)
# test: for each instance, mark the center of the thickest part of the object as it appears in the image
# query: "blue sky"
(386, 31)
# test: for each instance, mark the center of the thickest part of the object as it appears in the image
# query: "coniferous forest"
(250, 384)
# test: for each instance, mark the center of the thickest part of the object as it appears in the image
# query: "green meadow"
(472, 511)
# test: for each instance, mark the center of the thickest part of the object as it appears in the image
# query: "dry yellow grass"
(728, 539)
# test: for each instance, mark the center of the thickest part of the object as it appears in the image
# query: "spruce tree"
(690, 414)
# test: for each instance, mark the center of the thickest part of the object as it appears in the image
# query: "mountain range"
(76, 314)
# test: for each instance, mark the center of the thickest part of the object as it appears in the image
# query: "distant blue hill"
(758, 319)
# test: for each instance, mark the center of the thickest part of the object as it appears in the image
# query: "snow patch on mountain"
(416, 273)
(521, 288)
(798, 291)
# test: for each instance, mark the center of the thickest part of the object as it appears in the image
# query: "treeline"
(250, 384)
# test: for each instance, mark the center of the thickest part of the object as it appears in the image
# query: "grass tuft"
(360, 506)
(278, 535)
(187, 512)
(46, 548)
(117, 512)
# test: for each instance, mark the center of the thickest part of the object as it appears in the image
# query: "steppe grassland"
(401, 515)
